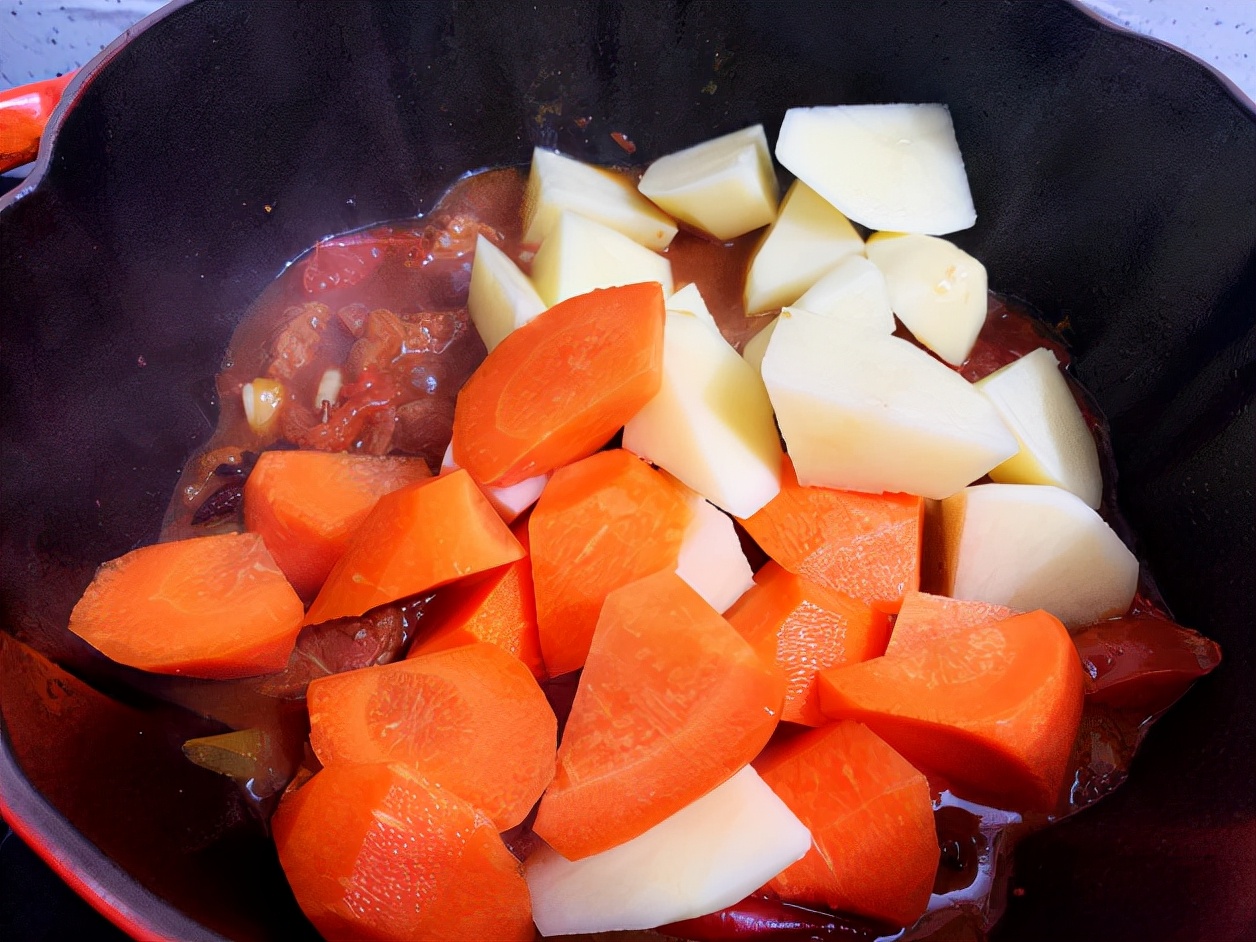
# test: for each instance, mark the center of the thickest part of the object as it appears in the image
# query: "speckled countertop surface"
(42, 38)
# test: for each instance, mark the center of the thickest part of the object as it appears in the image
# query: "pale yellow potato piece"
(854, 292)
(1031, 546)
(724, 187)
(501, 297)
(558, 184)
(808, 238)
(936, 288)
(688, 300)
(1056, 447)
(581, 255)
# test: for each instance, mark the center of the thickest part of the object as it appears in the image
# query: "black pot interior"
(1115, 190)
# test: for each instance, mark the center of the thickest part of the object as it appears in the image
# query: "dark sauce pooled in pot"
(386, 307)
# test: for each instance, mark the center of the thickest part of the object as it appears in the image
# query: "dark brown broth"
(977, 841)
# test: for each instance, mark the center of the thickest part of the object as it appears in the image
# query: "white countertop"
(43, 38)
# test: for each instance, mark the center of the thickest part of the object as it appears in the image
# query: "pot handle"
(23, 113)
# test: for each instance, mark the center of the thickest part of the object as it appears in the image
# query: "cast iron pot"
(1115, 181)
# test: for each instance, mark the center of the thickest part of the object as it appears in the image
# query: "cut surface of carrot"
(375, 852)
(471, 719)
(875, 847)
(601, 523)
(422, 536)
(671, 703)
(305, 505)
(866, 545)
(994, 709)
(559, 387)
(806, 628)
(214, 606)
(499, 608)
(925, 617)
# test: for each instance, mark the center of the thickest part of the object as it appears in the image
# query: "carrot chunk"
(806, 628)
(993, 709)
(875, 847)
(500, 608)
(601, 523)
(214, 606)
(559, 387)
(925, 617)
(866, 545)
(379, 852)
(671, 703)
(472, 719)
(305, 504)
(417, 538)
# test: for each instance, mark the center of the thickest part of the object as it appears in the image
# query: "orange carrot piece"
(472, 719)
(866, 545)
(925, 617)
(601, 523)
(993, 709)
(214, 606)
(559, 387)
(380, 852)
(500, 608)
(806, 628)
(422, 536)
(305, 504)
(671, 703)
(875, 848)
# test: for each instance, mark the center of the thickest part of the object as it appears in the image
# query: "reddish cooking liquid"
(318, 315)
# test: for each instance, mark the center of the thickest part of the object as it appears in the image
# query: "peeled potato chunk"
(1031, 546)
(757, 345)
(892, 167)
(865, 411)
(854, 292)
(688, 300)
(580, 255)
(708, 855)
(937, 290)
(501, 297)
(724, 187)
(1056, 447)
(710, 424)
(808, 238)
(711, 560)
(558, 184)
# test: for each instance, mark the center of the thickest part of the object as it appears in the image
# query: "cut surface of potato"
(808, 238)
(757, 345)
(892, 167)
(854, 292)
(711, 560)
(706, 856)
(724, 187)
(501, 297)
(865, 411)
(580, 255)
(1030, 546)
(558, 184)
(936, 288)
(1056, 447)
(711, 423)
(688, 300)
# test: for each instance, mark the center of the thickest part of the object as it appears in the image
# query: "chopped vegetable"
(865, 545)
(580, 255)
(215, 606)
(558, 388)
(671, 703)
(993, 709)
(870, 813)
(925, 617)
(601, 523)
(379, 852)
(806, 628)
(306, 504)
(500, 608)
(425, 535)
(471, 718)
